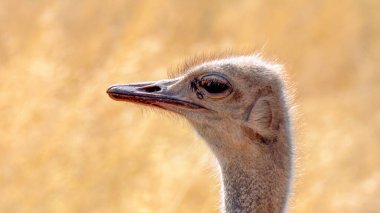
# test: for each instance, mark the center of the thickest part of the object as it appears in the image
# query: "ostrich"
(240, 107)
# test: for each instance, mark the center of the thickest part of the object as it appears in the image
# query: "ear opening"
(261, 117)
(261, 114)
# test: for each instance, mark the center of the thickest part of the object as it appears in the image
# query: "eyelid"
(215, 78)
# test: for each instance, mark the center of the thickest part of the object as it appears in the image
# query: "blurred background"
(65, 146)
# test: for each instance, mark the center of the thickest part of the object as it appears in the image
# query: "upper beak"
(159, 93)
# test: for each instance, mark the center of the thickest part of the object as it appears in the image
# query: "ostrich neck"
(255, 177)
(249, 188)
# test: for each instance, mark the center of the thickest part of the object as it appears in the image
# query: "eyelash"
(210, 85)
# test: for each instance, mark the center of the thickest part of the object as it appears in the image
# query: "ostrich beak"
(159, 93)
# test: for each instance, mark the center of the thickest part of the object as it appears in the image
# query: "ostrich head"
(232, 98)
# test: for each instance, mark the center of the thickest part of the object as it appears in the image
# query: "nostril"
(151, 89)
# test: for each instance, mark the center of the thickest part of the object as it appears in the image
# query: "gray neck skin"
(254, 189)
(255, 176)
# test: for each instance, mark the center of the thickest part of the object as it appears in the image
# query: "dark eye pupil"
(215, 87)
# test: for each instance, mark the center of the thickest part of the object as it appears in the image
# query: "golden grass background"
(66, 147)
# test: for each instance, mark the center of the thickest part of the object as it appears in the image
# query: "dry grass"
(66, 147)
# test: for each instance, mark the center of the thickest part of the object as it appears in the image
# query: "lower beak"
(151, 93)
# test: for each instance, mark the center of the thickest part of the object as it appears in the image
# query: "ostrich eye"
(215, 86)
